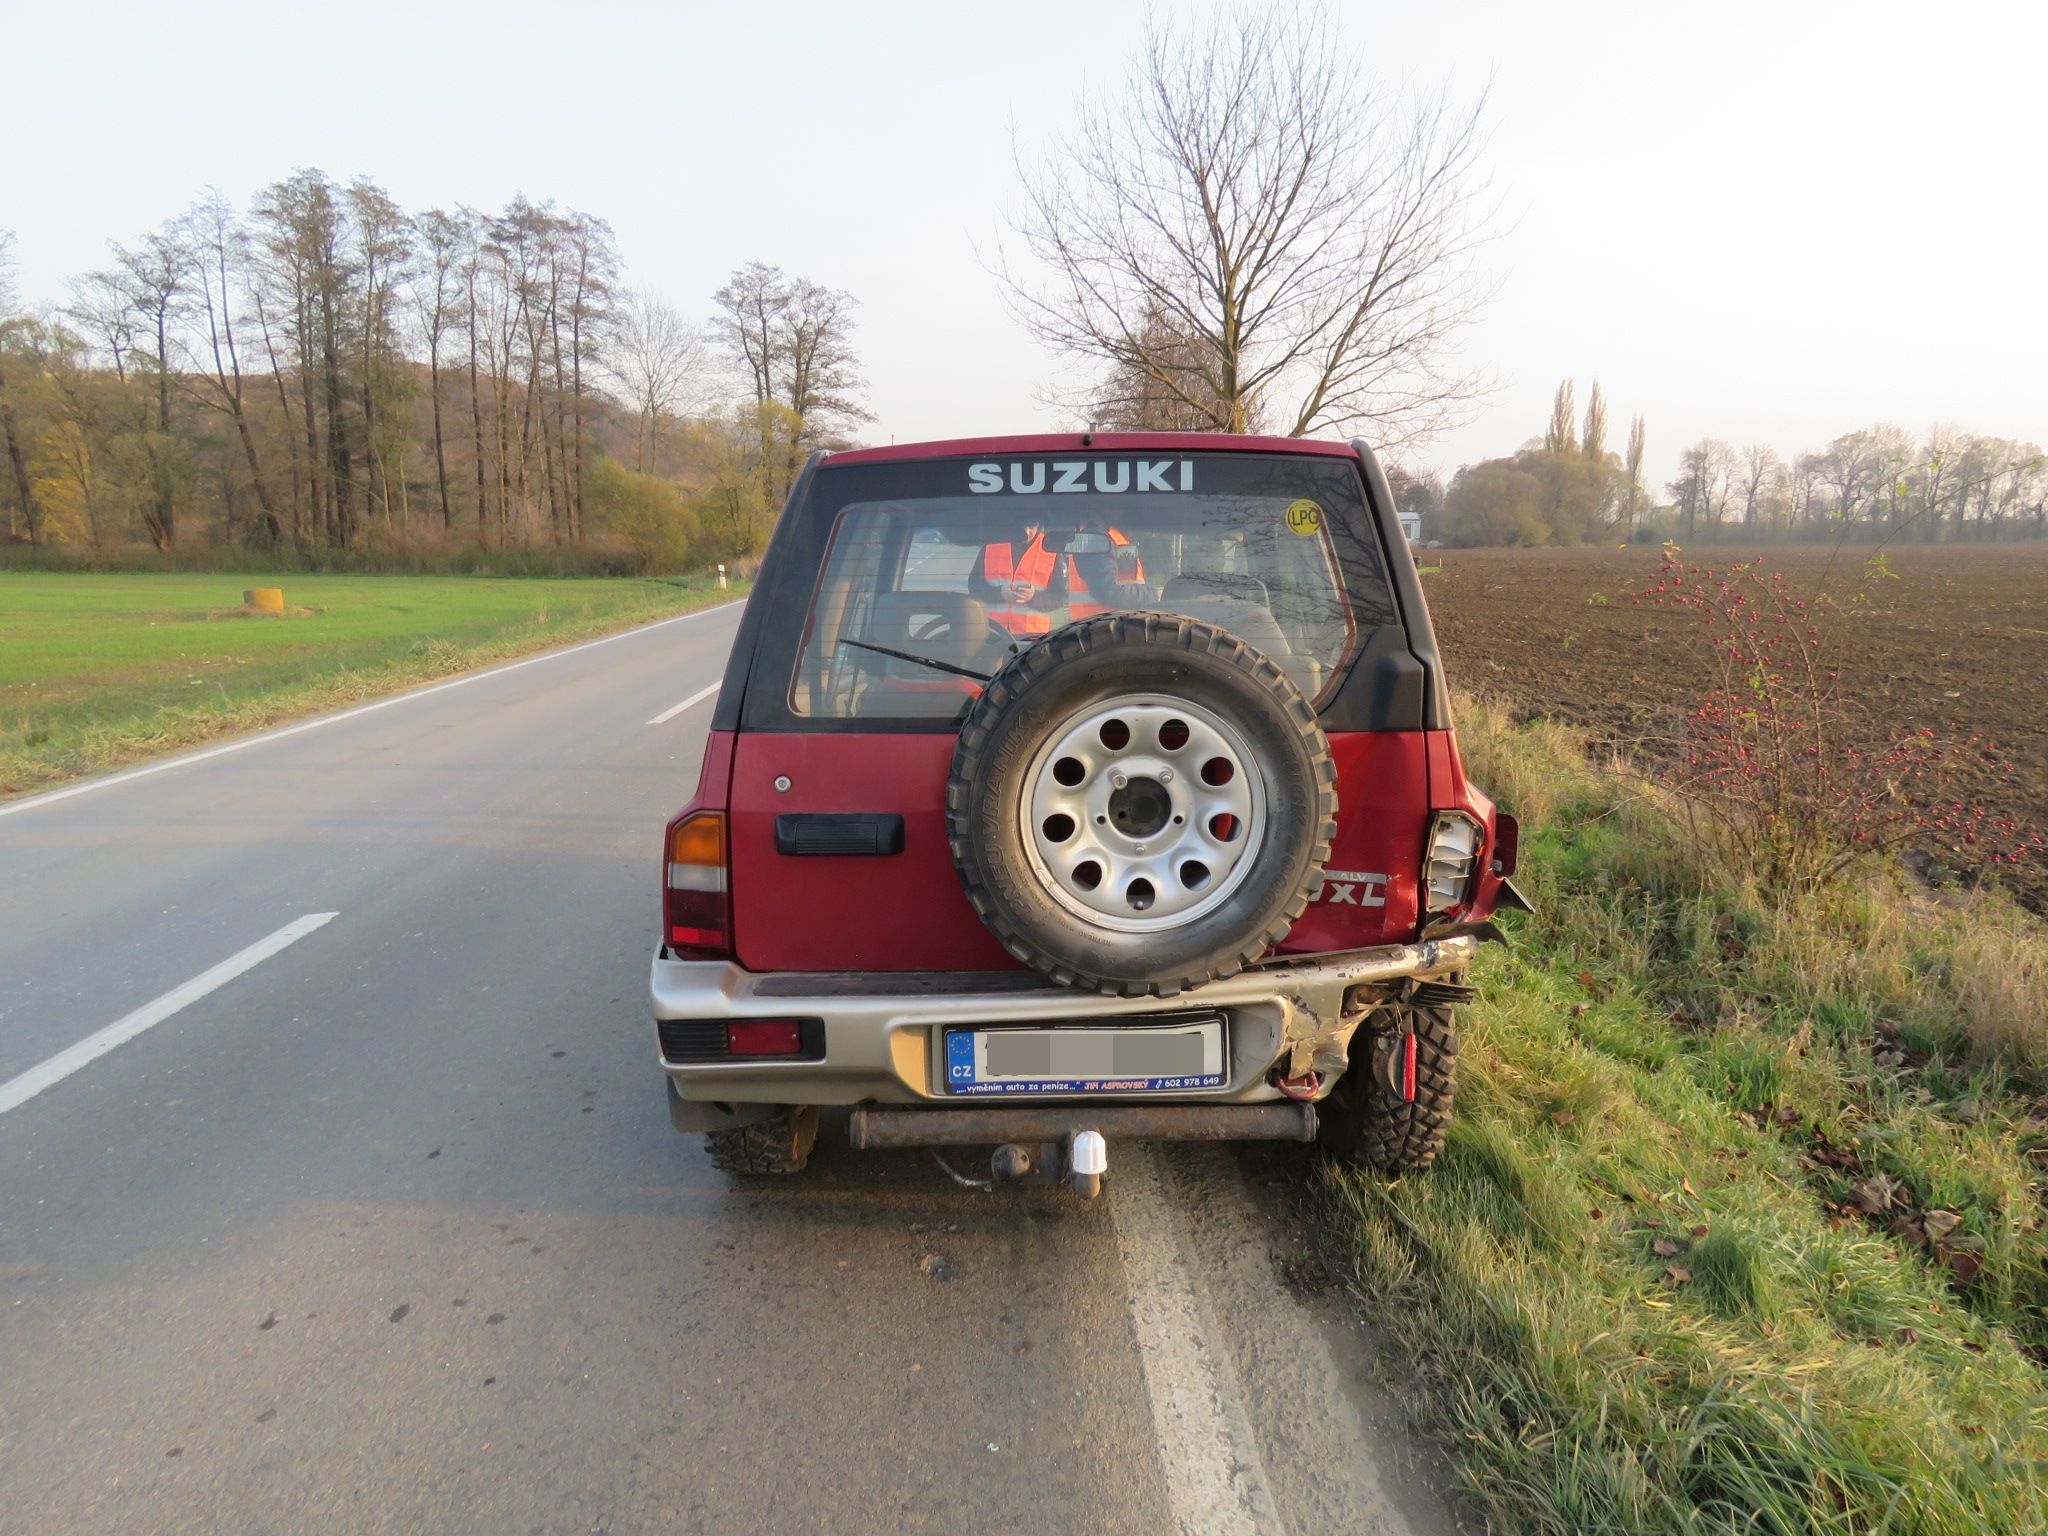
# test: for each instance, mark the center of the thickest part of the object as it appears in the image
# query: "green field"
(100, 669)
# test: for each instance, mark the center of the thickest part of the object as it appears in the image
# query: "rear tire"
(780, 1144)
(1365, 1121)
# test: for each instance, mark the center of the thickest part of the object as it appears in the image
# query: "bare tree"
(382, 241)
(1634, 493)
(1593, 440)
(472, 328)
(1859, 468)
(153, 278)
(1307, 241)
(215, 252)
(792, 340)
(1560, 438)
(591, 283)
(304, 270)
(823, 384)
(1131, 399)
(24, 488)
(749, 324)
(656, 356)
(1706, 472)
(436, 281)
(1759, 465)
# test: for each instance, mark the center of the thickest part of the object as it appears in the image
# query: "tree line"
(1568, 487)
(1252, 236)
(1948, 485)
(325, 373)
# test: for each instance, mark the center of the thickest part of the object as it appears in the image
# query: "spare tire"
(1140, 803)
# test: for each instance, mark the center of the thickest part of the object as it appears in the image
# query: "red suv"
(1069, 788)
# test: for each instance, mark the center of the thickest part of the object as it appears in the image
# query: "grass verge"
(97, 671)
(1740, 1223)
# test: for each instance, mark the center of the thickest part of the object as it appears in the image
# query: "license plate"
(1154, 1058)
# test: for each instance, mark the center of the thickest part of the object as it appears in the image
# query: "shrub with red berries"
(1770, 758)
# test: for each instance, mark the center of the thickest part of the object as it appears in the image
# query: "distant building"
(1411, 526)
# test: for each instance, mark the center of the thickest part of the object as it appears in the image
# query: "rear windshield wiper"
(922, 661)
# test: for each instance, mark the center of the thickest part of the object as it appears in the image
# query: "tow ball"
(1079, 1162)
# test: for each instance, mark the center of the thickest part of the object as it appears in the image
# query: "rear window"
(934, 572)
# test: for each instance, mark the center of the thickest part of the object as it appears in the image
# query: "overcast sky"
(1764, 223)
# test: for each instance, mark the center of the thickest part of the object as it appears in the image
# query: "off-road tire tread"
(780, 1144)
(1077, 640)
(1370, 1128)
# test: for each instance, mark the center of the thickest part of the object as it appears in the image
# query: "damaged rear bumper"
(878, 1038)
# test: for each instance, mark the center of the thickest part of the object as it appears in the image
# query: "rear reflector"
(704, 1042)
(764, 1037)
(1507, 844)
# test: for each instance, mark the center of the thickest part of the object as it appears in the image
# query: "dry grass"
(1998, 975)
(1643, 1287)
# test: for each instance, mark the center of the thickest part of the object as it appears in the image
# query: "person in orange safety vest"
(1038, 581)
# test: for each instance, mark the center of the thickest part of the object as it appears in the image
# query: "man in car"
(1029, 592)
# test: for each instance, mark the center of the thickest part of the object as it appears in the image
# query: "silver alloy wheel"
(1141, 812)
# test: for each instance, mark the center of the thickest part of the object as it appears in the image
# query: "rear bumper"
(881, 1034)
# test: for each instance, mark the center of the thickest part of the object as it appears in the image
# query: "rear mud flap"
(1394, 1065)
(693, 1116)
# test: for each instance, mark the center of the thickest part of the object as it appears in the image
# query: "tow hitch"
(1054, 1145)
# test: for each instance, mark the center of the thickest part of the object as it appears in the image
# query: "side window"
(894, 630)
(932, 564)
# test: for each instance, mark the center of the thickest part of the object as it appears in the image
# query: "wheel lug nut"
(1166, 775)
(1117, 781)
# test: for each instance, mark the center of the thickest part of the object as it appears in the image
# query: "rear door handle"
(839, 834)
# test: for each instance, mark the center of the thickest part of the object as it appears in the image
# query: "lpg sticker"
(1348, 888)
(1305, 517)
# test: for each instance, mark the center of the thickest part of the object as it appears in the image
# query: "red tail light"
(695, 912)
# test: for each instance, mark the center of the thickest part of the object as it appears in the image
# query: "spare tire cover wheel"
(1140, 803)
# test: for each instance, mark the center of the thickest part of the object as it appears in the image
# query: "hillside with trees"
(326, 378)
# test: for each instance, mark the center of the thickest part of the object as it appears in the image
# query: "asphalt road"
(382, 1226)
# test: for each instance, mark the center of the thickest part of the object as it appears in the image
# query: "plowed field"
(1955, 639)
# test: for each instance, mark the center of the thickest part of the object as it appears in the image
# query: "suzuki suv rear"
(1069, 788)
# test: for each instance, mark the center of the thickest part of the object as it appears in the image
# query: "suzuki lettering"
(1032, 477)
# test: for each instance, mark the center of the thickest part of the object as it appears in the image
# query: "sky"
(1765, 223)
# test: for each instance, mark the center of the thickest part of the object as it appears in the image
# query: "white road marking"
(19, 1090)
(1215, 1479)
(676, 709)
(51, 797)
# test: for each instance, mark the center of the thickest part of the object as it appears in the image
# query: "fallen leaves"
(1674, 1274)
